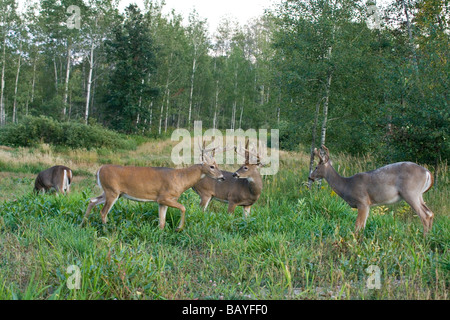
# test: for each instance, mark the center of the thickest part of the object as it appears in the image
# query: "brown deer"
(241, 188)
(386, 185)
(57, 177)
(145, 184)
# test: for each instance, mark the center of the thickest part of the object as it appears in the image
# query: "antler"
(213, 150)
(326, 155)
(248, 153)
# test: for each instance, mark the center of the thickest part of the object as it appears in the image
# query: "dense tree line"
(315, 69)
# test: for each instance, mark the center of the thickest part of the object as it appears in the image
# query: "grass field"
(297, 243)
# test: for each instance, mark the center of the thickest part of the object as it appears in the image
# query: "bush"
(34, 130)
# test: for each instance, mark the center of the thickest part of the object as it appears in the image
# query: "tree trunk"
(410, 37)
(66, 88)
(33, 82)
(313, 142)
(56, 74)
(327, 97)
(216, 102)
(325, 109)
(194, 63)
(242, 112)
(216, 105)
(14, 116)
(167, 110)
(161, 116)
(89, 84)
(2, 90)
(233, 115)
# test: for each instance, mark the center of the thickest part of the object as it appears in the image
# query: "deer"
(146, 184)
(58, 178)
(392, 183)
(240, 188)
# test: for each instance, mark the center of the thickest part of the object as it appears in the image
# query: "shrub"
(34, 130)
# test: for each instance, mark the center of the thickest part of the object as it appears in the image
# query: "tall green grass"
(297, 244)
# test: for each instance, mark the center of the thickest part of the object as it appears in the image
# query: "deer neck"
(255, 184)
(336, 182)
(190, 176)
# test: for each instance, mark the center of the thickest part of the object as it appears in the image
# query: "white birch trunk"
(242, 112)
(160, 117)
(216, 105)
(14, 116)
(313, 142)
(66, 88)
(89, 84)
(325, 109)
(191, 93)
(151, 115)
(167, 110)
(2, 87)
(56, 74)
(33, 82)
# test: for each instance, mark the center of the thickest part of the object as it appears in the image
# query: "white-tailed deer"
(241, 188)
(386, 185)
(57, 177)
(159, 184)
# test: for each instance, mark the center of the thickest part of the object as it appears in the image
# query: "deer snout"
(221, 178)
(235, 175)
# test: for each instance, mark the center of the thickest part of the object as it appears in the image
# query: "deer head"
(249, 169)
(209, 165)
(324, 163)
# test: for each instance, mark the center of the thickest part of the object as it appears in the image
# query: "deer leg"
(425, 214)
(363, 213)
(231, 207)
(247, 210)
(429, 218)
(175, 204)
(204, 202)
(162, 216)
(92, 203)
(109, 202)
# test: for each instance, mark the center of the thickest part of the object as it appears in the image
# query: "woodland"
(358, 76)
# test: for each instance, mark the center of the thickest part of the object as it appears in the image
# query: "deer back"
(232, 189)
(57, 177)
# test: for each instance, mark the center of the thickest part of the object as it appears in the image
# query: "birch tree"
(98, 23)
(198, 37)
(8, 16)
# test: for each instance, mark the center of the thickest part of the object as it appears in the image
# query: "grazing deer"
(162, 185)
(385, 185)
(57, 177)
(241, 188)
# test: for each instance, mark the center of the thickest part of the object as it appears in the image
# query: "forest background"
(359, 76)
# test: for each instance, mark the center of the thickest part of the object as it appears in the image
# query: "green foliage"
(130, 87)
(34, 130)
(385, 97)
(296, 244)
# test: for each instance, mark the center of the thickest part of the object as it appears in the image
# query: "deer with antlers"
(145, 184)
(386, 185)
(240, 188)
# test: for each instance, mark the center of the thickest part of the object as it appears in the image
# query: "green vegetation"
(364, 80)
(33, 131)
(314, 69)
(297, 243)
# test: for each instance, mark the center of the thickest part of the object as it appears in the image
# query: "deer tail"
(429, 182)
